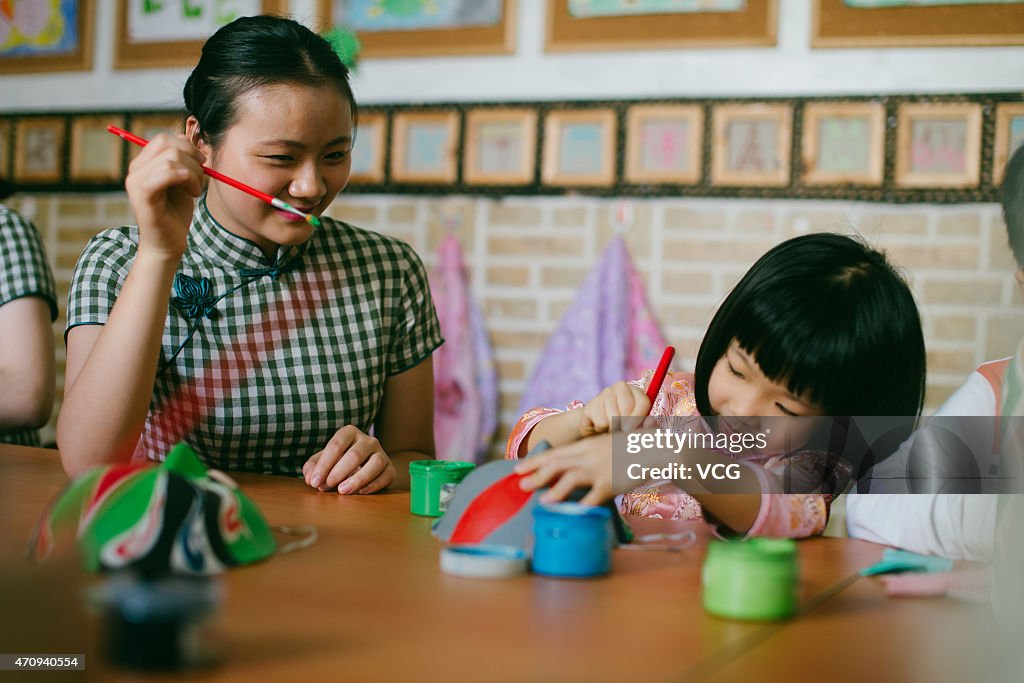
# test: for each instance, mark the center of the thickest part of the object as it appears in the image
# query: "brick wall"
(527, 256)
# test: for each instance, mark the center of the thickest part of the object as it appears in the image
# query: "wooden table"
(368, 602)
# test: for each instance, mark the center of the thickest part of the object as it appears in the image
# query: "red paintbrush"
(237, 184)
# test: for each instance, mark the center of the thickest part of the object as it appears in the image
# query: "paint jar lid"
(573, 511)
(483, 561)
(446, 467)
(781, 550)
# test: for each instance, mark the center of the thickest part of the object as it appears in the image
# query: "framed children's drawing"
(663, 144)
(45, 35)
(938, 145)
(369, 149)
(167, 34)
(575, 25)
(1009, 136)
(39, 150)
(95, 153)
(916, 23)
(579, 148)
(411, 29)
(843, 143)
(424, 147)
(501, 147)
(751, 144)
(148, 126)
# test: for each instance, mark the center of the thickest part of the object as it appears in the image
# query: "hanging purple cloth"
(608, 334)
(465, 381)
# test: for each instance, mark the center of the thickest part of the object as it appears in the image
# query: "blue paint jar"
(571, 540)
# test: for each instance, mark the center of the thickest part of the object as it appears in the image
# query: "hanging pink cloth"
(608, 334)
(465, 381)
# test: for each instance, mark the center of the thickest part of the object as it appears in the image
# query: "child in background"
(175, 305)
(28, 305)
(953, 525)
(820, 325)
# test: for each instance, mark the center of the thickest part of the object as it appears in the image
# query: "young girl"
(264, 342)
(820, 325)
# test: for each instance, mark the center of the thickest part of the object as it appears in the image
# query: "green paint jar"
(426, 477)
(754, 579)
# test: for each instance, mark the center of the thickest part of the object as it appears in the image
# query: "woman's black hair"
(251, 52)
(827, 316)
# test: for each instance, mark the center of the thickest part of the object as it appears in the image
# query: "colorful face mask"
(175, 517)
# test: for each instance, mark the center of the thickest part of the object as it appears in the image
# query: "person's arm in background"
(957, 526)
(26, 364)
(28, 306)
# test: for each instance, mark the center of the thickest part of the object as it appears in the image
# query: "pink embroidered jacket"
(782, 515)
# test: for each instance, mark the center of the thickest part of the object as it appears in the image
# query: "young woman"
(264, 342)
(821, 325)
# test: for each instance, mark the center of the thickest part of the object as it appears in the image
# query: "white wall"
(790, 68)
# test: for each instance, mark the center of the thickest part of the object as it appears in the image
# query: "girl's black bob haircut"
(828, 317)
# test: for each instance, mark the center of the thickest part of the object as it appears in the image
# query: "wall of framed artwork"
(664, 144)
(869, 23)
(751, 144)
(501, 146)
(40, 35)
(153, 34)
(635, 25)
(424, 147)
(39, 150)
(1009, 136)
(579, 148)
(95, 154)
(369, 149)
(441, 27)
(843, 143)
(881, 149)
(938, 145)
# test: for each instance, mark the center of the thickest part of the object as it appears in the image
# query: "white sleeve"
(953, 525)
(958, 526)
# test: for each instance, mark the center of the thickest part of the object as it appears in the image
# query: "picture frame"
(39, 150)
(369, 149)
(1009, 136)
(154, 35)
(843, 143)
(837, 24)
(747, 24)
(664, 144)
(938, 145)
(494, 34)
(579, 148)
(501, 146)
(148, 126)
(751, 144)
(43, 42)
(424, 146)
(95, 154)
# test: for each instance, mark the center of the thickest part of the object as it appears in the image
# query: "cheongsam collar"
(215, 242)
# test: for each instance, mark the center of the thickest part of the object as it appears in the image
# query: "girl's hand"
(619, 400)
(581, 464)
(352, 462)
(162, 184)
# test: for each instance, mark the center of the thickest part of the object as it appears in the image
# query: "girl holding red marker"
(821, 325)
